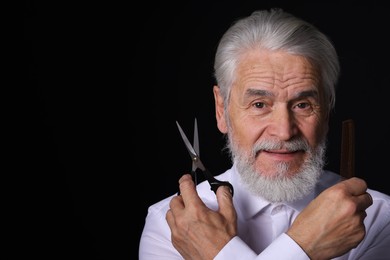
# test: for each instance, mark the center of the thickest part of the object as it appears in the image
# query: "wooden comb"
(347, 161)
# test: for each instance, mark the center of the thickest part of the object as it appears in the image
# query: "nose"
(282, 125)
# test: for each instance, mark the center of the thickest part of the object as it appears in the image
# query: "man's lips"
(279, 151)
(280, 154)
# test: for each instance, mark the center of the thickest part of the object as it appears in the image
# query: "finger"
(371, 201)
(225, 202)
(170, 218)
(188, 190)
(176, 206)
(176, 203)
(179, 192)
(365, 201)
(355, 186)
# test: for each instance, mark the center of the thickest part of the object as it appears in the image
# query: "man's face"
(275, 120)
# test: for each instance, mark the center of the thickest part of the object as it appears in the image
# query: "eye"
(259, 105)
(303, 105)
(303, 108)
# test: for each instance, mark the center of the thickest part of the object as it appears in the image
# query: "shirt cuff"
(283, 248)
(236, 249)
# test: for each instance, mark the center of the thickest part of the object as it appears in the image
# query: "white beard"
(280, 187)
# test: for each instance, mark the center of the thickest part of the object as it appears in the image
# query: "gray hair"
(276, 29)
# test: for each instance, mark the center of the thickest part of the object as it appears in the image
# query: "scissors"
(197, 163)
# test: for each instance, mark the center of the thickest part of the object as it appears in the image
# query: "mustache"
(296, 144)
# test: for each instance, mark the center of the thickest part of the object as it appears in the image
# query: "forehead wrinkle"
(256, 75)
(293, 78)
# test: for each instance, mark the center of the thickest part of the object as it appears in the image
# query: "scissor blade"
(187, 142)
(195, 143)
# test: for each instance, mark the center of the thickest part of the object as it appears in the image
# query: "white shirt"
(262, 225)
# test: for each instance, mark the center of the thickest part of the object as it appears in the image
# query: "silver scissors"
(197, 163)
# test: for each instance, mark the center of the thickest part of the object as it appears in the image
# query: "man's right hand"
(198, 232)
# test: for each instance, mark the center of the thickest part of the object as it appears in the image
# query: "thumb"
(225, 202)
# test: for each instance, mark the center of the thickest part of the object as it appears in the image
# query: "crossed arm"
(335, 218)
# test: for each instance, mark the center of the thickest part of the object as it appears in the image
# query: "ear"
(219, 110)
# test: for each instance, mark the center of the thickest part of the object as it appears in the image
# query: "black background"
(105, 83)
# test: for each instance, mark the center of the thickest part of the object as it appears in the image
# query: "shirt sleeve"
(155, 242)
(376, 244)
(237, 249)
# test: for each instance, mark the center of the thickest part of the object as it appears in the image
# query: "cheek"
(245, 134)
(316, 134)
(322, 135)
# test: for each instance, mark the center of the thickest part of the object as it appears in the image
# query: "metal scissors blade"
(197, 163)
(195, 143)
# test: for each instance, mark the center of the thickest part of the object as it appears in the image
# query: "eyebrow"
(260, 92)
(307, 93)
